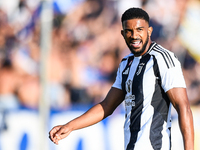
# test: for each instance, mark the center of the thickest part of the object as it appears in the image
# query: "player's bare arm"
(92, 116)
(178, 97)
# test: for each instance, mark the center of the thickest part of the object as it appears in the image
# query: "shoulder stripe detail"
(167, 54)
(123, 59)
(168, 59)
(163, 57)
(127, 57)
(151, 47)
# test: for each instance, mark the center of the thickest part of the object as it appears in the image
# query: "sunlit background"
(59, 57)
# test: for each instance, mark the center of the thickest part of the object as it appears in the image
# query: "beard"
(138, 53)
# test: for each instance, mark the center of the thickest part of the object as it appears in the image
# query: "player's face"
(136, 33)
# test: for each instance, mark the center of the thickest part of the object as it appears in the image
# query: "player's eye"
(139, 29)
(128, 32)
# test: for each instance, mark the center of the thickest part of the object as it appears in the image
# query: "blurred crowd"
(87, 48)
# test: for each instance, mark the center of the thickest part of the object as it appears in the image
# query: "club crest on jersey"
(140, 68)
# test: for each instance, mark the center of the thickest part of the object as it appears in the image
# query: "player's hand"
(59, 132)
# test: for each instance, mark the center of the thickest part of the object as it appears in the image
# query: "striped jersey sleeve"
(170, 68)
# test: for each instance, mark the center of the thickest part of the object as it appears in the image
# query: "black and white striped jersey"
(145, 81)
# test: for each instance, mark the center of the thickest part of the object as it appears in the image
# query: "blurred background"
(59, 57)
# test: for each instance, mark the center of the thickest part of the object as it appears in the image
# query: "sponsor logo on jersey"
(130, 100)
(128, 86)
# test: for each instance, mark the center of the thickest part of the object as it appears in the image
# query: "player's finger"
(55, 140)
(63, 133)
(53, 132)
(58, 136)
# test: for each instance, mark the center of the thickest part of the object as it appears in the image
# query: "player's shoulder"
(163, 55)
(125, 58)
(160, 51)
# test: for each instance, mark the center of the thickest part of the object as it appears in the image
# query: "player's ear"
(150, 30)
(122, 33)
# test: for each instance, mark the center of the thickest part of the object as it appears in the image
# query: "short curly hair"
(133, 13)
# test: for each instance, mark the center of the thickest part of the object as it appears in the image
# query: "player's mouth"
(136, 44)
